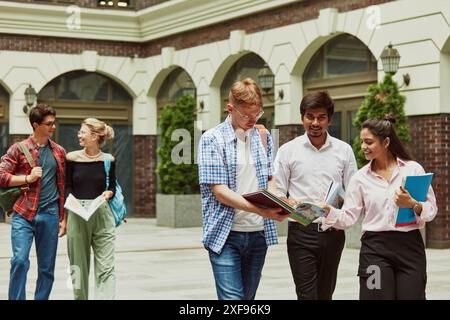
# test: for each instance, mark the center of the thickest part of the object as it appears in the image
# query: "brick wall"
(67, 46)
(282, 16)
(142, 4)
(431, 148)
(145, 183)
(289, 132)
(81, 3)
(13, 138)
(293, 13)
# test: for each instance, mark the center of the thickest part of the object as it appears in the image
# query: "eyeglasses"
(83, 132)
(49, 124)
(246, 117)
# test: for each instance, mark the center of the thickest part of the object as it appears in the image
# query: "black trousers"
(392, 265)
(314, 259)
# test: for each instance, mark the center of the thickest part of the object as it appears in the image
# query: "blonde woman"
(86, 180)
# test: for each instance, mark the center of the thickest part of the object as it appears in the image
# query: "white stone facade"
(418, 29)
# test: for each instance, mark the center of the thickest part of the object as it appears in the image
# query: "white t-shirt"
(246, 182)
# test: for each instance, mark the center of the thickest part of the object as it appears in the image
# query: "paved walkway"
(170, 264)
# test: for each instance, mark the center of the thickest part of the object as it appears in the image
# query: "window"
(248, 66)
(84, 87)
(335, 128)
(172, 88)
(341, 56)
(3, 94)
(119, 94)
(342, 122)
(344, 67)
(352, 131)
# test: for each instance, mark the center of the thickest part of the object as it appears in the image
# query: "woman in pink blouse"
(392, 261)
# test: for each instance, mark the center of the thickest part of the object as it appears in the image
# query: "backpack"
(117, 203)
(9, 195)
(263, 134)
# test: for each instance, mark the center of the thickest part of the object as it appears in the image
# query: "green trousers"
(98, 233)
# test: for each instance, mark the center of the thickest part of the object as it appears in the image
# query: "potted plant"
(178, 202)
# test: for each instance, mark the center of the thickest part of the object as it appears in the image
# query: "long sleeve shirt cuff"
(330, 219)
(427, 213)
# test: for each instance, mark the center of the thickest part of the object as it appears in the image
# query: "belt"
(316, 226)
(319, 227)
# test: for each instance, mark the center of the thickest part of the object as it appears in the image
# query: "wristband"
(416, 206)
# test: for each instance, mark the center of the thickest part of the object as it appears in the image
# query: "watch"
(415, 206)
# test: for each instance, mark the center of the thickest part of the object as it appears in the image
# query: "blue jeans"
(237, 269)
(44, 227)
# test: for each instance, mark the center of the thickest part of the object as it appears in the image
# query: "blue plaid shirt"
(217, 165)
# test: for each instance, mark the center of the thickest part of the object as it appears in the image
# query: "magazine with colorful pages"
(304, 212)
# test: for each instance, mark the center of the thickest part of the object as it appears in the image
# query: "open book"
(417, 186)
(308, 211)
(304, 212)
(74, 205)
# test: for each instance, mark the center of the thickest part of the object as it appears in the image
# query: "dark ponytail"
(384, 128)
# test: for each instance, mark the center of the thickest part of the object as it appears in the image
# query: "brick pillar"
(145, 184)
(289, 132)
(431, 148)
(13, 138)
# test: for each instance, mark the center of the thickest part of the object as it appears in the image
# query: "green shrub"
(177, 178)
(383, 98)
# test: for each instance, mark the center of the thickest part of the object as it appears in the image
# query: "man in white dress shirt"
(304, 169)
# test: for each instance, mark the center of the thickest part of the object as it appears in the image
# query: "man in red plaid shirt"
(39, 212)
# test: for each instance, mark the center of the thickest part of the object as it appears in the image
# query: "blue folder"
(417, 187)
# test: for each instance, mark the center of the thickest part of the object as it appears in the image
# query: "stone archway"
(344, 67)
(77, 95)
(248, 65)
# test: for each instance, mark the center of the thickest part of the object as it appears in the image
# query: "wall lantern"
(390, 58)
(30, 98)
(266, 81)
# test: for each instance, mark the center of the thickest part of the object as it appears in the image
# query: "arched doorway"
(78, 95)
(4, 128)
(176, 84)
(4, 116)
(248, 66)
(345, 67)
